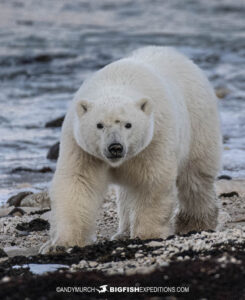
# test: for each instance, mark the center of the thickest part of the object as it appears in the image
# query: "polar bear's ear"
(145, 105)
(82, 107)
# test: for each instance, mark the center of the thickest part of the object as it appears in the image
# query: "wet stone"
(17, 212)
(2, 253)
(39, 212)
(55, 123)
(225, 177)
(229, 195)
(42, 170)
(16, 199)
(34, 225)
(53, 152)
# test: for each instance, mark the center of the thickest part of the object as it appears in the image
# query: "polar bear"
(148, 123)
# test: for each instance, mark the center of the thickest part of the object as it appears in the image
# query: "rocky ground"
(199, 265)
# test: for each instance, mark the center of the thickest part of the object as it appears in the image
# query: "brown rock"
(222, 92)
(16, 212)
(16, 199)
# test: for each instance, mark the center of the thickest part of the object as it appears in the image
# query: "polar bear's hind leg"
(197, 200)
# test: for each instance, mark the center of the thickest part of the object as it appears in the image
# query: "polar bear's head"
(112, 132)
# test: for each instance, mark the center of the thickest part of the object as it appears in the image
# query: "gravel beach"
(192, 258)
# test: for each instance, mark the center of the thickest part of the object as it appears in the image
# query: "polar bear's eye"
(100, 126)
(128, 125)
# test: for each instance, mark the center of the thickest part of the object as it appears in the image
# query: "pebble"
(17, 212)
(6, 279)
(222, 92)
(154, 244)
(163, 263)
(93, 264)
(82, 264)
(133, 246)
(138, 255)
(119, 249)
(157, 252)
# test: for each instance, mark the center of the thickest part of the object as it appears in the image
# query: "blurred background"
(47, 49)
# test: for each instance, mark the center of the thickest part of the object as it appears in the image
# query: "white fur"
(172, 151)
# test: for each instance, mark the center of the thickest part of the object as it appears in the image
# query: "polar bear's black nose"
(115, 149)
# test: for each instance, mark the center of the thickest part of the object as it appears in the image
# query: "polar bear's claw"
(49, 248)
(120, 236)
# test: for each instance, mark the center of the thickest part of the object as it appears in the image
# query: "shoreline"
(230, 194)
(221, 252)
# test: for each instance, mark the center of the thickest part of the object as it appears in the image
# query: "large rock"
(42, 170)
(12, 211)
(55, 123)
(16, 199)
(19, 251)
(53, 152)
(222, 92)
(41, 200)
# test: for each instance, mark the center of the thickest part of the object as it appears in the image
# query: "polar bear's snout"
(116, 150)
(114, 146)
(115, 153)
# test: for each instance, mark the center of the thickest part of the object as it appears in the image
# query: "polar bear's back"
(174, 66)
(155, 53)
(189, 81)
(186, 78)
(163, 59)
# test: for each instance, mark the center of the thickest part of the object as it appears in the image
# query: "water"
(47, 48)
(40, 269)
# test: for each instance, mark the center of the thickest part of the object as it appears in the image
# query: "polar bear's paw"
(50, 247)
(185, 223)
(120, 236)
(60, 245)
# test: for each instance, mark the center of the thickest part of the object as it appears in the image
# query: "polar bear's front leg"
(152, 211)
(75, 200)
(123, 207)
